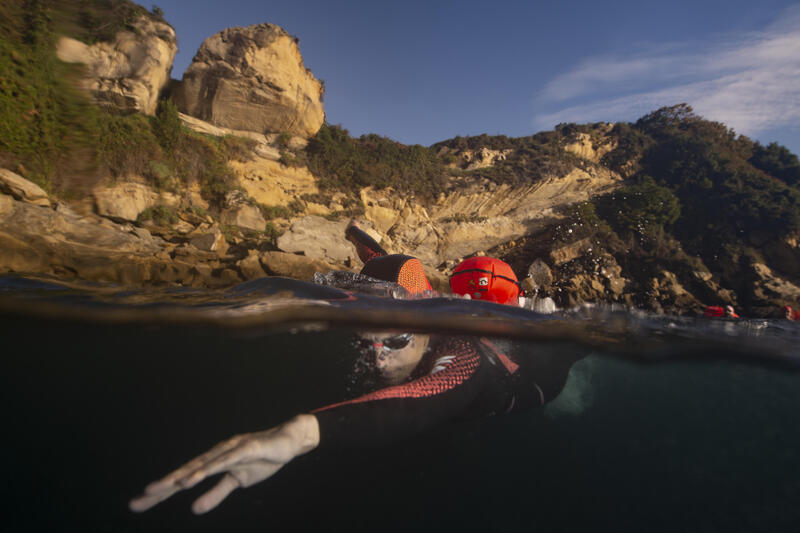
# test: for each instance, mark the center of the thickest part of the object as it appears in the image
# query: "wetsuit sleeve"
(403, 410)
(366, 247)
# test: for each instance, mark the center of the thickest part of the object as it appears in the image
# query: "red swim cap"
(486, 278)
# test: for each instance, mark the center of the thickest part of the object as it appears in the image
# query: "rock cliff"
(252, 79)
(129, 72)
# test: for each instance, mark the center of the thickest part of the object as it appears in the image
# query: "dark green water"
(94, 410)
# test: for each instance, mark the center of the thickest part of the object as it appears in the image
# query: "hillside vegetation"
(698, 198)
(50, 132)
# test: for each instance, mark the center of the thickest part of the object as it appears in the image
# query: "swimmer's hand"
(246, 460)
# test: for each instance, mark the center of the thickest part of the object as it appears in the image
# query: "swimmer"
(430, 379)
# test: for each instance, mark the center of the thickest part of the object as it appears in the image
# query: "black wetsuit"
(457, 377)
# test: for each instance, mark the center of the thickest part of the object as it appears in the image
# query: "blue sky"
(421, 72)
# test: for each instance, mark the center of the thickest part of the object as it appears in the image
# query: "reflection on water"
(669, 424)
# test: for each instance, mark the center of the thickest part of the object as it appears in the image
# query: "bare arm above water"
(245, 459)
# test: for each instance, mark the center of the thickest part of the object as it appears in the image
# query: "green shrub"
(461, 218)
(161, 215)
(271, 233)
(346, 164)
(643, 208)
(237, 148)
(167, 126)
(288, 159)
(274, 211)
(282, 141)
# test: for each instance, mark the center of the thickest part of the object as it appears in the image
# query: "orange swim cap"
(486, 278)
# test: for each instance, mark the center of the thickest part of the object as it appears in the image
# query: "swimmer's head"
(486, 278)
(395, 354)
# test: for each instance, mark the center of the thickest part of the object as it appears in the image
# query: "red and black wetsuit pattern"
(456, 378)
(366, 247)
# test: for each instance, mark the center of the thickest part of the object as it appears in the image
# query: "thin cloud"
(750, 84)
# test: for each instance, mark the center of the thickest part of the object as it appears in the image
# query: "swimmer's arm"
(245, 460)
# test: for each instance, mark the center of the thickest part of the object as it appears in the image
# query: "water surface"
(667, 424)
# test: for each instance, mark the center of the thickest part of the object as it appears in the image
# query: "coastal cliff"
(232, 174)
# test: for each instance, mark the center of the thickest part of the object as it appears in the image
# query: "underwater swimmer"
(430, 379)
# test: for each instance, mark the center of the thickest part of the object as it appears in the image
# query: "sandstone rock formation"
(318, 238)
(239, 212)
(477, 214)
(36, 238)
(129, 72)
(585, 148)
(22, 189)
(252, 79)
(126, 200)
(294, 266)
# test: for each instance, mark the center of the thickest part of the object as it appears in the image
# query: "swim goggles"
(397, 342)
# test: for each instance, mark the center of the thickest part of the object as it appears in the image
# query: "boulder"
(240, 212)
(22, 189)
(211, 240)
(568, 252)
(252, 79)
(317, 238)
(129, 72)
(126, 200)
(250, 266)
(539, 274)
(244, 216)
(293, 265)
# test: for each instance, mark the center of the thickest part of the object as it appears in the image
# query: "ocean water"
(665, 424)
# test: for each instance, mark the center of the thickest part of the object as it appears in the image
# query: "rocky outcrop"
(318, 238)
(252, 79)
(477, 214)
(56, 241)
(129, 72)
(240, 212)
(482, 158)
(293, 265)
(22, 189)
(126, 200)
(768, 287)
(270, 183)
(584, 147)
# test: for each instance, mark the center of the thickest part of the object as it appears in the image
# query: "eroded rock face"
(239, 212)
(477, 214)
(42, 240)
(22, 189)
(585, 148)
(318, 238)
(252, 79)
(126, 200)
(293, 265)
(129, 72)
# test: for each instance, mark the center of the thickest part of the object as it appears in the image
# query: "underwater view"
(659, 424)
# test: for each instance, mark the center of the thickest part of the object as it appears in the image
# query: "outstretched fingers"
(212, 498)
(173, 482)
(146, 501)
